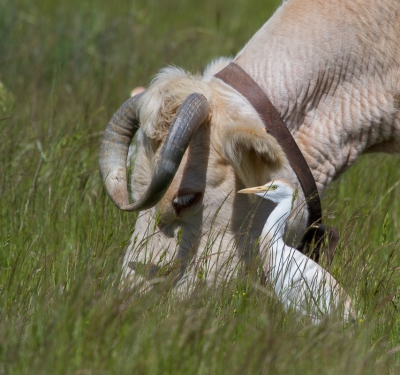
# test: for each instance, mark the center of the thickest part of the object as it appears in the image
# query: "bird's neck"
(275, 225)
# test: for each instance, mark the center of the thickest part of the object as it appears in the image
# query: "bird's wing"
(299, 281)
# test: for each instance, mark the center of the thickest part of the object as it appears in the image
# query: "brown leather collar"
(236, 77)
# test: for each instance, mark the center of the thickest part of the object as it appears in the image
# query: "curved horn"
(114, 150)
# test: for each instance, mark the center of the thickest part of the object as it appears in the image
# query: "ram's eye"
(182, 202)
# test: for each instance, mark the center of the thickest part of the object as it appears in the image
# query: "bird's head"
(275, 190)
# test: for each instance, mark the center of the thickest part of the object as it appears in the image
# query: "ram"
(332, 71)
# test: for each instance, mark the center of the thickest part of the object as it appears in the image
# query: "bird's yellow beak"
(253, 190)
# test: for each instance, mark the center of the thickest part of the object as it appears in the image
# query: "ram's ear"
(253, 153)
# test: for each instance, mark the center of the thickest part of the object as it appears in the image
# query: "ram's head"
(198, 142)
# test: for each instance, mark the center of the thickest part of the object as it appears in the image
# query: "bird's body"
(298, 281)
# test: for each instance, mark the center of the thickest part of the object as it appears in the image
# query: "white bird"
(298, 281)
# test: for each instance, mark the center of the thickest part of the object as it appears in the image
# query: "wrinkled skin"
(332, 71)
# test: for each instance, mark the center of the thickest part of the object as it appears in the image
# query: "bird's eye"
(273, 187)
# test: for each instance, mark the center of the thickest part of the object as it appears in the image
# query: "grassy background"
(65, 67)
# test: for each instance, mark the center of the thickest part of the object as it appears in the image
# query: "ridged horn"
(118, 136)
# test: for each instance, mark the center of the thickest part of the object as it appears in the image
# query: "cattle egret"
(298, 281)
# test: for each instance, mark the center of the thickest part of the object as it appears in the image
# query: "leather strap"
(236, 77)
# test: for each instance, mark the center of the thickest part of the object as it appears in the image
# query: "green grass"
(65, 68)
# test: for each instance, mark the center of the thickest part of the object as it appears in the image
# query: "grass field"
(65, 67)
